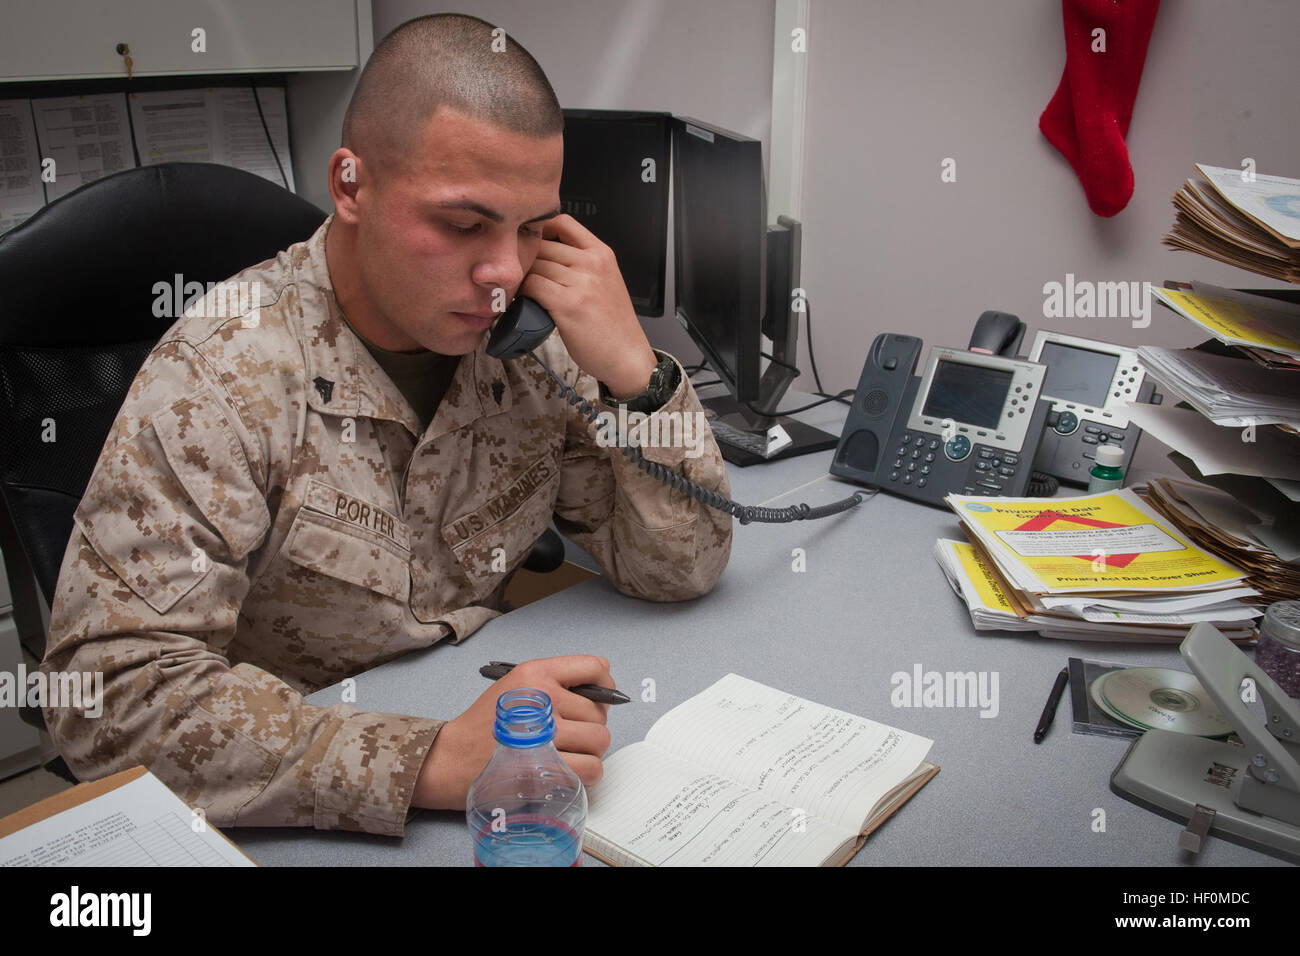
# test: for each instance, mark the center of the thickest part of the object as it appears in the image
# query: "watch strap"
(665, 378)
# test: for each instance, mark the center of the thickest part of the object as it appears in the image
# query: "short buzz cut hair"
(445, 59)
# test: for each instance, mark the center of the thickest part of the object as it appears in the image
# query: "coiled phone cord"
(744, 513)
(1041, 485)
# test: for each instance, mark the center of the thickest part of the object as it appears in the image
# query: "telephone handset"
(969, 424)
(997, 333)
(525, 325)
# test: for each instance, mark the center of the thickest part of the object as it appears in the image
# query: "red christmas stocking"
(1088, 117)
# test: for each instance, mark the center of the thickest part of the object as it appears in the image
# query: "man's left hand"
(576, 279)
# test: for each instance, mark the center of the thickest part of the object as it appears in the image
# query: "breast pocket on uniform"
(348, 538)
(495, 538)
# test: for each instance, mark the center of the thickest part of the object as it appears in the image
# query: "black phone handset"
(525, 325)
(997, 333)
(1000, 333)
(522, 327)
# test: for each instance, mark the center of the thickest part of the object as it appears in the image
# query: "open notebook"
(745, 775)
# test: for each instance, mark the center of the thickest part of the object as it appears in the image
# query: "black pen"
(495, 670)
(1049, 712)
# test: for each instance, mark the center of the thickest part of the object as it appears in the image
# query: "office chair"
(82, 270)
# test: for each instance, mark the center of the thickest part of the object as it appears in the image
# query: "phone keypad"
(990, 471)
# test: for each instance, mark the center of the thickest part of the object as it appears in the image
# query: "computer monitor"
(735, 279)
(615, 182)
(720, 218)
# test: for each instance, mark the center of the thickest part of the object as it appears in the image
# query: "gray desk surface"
(872, 602)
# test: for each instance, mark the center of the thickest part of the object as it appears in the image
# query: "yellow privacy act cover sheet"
(1105, 542)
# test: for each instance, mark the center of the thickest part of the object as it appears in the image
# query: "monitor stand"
(804, 439)
(781, 325)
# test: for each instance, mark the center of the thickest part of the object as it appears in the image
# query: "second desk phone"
(1089, 385)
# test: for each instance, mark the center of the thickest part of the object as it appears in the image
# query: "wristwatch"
(665, 378)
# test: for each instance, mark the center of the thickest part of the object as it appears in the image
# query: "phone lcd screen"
(970, 394)
(1077, 375)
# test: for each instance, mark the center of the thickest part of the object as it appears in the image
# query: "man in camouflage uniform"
(279, 505)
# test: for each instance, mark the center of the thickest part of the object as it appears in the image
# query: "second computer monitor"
(720, 230)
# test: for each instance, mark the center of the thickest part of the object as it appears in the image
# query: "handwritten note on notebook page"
(745, 775)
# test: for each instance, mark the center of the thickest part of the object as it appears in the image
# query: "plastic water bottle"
(526, 807)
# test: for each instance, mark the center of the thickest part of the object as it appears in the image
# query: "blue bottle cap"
(524, 718)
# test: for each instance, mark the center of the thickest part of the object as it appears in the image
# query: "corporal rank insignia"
(325, 387)
(498, 389)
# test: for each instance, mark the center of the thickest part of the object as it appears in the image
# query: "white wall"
(896, 87)
(893, 88)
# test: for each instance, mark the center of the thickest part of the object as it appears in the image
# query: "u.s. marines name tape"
(505, 504)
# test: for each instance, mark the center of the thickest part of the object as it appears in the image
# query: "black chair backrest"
(77, 318)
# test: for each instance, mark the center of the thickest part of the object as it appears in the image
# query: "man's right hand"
(464, 745)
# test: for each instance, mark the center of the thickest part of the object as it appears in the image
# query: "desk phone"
(1089, 385)
(969, 424)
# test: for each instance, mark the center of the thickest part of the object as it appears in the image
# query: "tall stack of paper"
(988, 598)
(1252, 221)
(1264, 328)
(1244, 422)
(1240, 217)
(1227, 390)
(1269, 553)
(1263, 452)
(1095, 567)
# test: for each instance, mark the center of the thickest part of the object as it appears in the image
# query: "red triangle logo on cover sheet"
(1045, 519)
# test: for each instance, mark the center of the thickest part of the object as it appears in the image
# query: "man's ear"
(346, 172)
